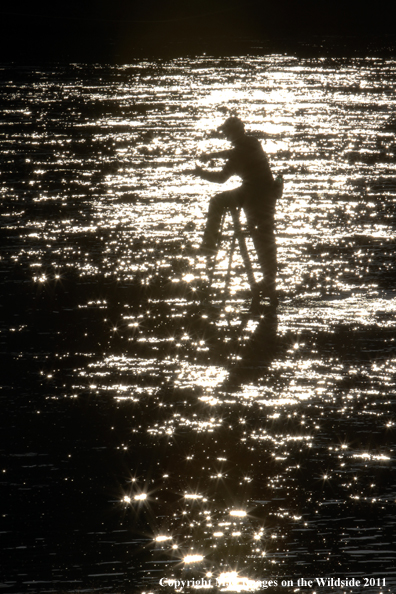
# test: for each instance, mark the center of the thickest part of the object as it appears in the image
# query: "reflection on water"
(156, 428)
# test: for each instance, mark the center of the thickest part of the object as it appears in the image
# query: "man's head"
(233, 128)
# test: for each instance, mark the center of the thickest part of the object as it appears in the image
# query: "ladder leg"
(232, 249)
(211, 261)
(243, 248)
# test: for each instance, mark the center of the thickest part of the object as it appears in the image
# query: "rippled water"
(156, 429)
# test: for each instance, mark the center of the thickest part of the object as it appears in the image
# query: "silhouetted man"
(257, 196)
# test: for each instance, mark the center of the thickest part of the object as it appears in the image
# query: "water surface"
(156, 428)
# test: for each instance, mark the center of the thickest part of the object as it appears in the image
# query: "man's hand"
(216, 155)
(197, 171)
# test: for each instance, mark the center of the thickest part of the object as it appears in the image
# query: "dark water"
(153, 427)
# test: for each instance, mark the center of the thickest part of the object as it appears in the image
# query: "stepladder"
(238, 239)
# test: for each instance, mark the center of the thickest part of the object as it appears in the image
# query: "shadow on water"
(252, 359)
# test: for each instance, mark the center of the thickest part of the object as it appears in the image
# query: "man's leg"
(217, 206)
(264, 242)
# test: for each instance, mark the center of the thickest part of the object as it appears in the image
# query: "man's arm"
(218, 177)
